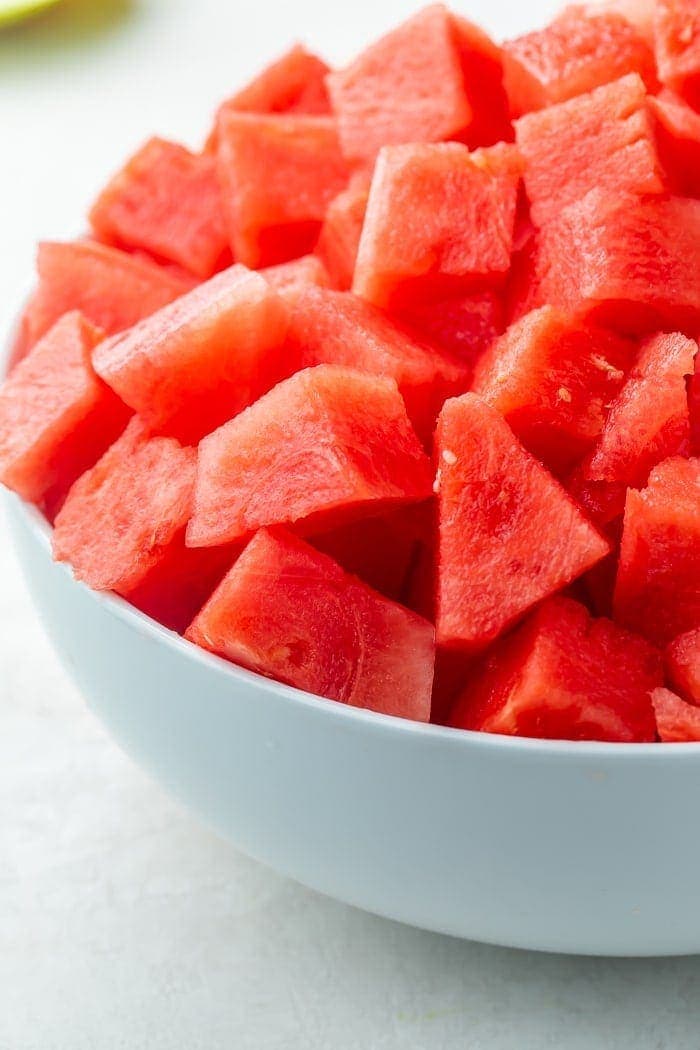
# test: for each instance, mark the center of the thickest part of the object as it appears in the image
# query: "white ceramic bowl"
(587, 848)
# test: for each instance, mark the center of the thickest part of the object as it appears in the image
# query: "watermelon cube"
(677, 47)
(657, 592)
(339, 238)
(647, 422)
(463, 326)
(110, 288)
(677, 130)
(56, 416)
(579, 51)
(197, 362)
(325, 446)
(563, 675)
(289, 612)
(677, 722)
(632, 263)
(603, 139)
(509, 535)
(328, 327)
(553, 379)
(683, 665)
(439, 221)
(166, 201)
(278, 175)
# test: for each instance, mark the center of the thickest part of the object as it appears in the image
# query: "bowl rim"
(402, 728)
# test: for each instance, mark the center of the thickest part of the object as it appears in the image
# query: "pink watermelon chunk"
(110, 288)
(683, 665)
(629, 262)
(291, 613)
(340, 234)
(564, 676)
(578, 52)
(553, 380)
(603, 139)
(56, 415)
(166, 201)
(647, 423)
(197, 362)
(325, 446)
(509, 535)
(677, 47)
(338, 328)
(658, 580)
(439, 220)
(677, 722)
(278, 175)
(293, 83)
(122, 529)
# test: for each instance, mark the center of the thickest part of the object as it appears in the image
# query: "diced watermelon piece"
(439, 221)
(647, 423)
(166, 201)
(579, 51)
(677, 722)
(509, 535)
(381, 551)
(631, 263)
(197, 362)
(462, 325)
(339, 238)
(278, 175)
(56, 415)
(327, 445)
(564, 676)
(111, 288)
(677, 128)
(406, 87)
(677, 47)
(289, 612)
(291, 277)
(338, 328)
(658, 581)
(683, 665)
(602, 139)
(553, 380)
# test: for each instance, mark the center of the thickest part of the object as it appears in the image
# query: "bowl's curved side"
(571, 849)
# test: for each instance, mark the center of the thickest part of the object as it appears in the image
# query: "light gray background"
(123, 924)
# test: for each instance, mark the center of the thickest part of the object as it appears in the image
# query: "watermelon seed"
(563, 394)
(449, 456)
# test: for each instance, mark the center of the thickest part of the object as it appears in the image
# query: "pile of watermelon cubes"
(391, 392)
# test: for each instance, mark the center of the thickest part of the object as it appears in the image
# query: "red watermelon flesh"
(677, 722)
(406, 87)
(463, 326)
(578, 52)
(603, 139)
(564, 675)
(278, 175)
(439, 222)
(198, 361)
(482, 72)
(291, 613)
(647, 422)
(677, 129)
(289, 278)
(339, 238)
(328, 327)
(509, 535)
(553, 379)
(327, 445)
(56, 416)
(677, 47)
(166, 201)
(121, 517)
(683, 665)
(628, 262)
(658, 581)
(381, 551)
(111, 288)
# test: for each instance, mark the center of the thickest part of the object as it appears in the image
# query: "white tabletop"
(123, 924)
